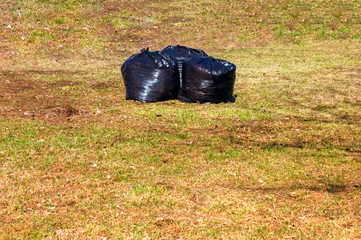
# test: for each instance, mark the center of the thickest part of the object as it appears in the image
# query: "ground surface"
(77, 161)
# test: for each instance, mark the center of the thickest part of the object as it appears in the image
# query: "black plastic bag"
(150, 76)
(181, 53)
(207, 79)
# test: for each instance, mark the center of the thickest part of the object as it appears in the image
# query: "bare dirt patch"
(24, 96)
(104, 85)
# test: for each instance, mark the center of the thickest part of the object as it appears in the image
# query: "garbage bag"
(181, 53)
(207, 79)
(150, 76)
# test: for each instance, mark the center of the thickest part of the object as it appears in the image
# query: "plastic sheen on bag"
(181, 53)
(150, 76)
(207, 79)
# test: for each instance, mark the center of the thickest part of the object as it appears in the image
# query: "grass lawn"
(77, 161)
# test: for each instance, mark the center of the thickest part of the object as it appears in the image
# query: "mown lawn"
(77, 161)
